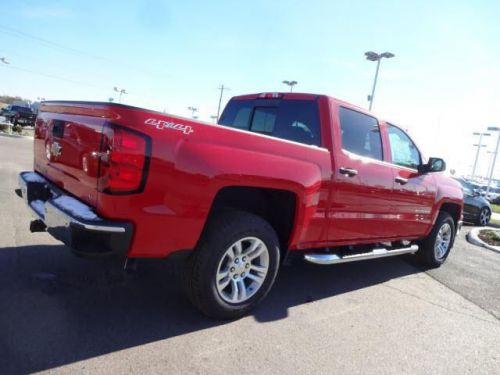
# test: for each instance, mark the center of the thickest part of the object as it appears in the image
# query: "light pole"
(373, 56)
(193, 111)
(491, 153)
(478, 145)
(291, 84)
(221, 88)
(121, 92)
(493, 129)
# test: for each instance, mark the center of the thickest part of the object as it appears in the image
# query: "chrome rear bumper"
(72, 221)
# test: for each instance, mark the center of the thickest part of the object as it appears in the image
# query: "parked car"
(477, 209)
(18, 115)
(280, 175)
(493, 195)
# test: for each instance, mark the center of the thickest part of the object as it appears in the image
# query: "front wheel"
(484, 216)
(435, 248)
(234, 265)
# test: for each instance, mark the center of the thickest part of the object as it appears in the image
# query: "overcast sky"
(443, 84)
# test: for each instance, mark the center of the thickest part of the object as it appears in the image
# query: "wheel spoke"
(230, 254)
(223, 279)
(257, 278)
(258, 268)
(237, 248)
(234, 292)
(242, 290)
(252, 247)
(257, 252)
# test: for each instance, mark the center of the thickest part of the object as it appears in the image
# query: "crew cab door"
(414, 193)
(361, 206)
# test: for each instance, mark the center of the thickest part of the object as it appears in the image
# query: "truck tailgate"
(67, 144)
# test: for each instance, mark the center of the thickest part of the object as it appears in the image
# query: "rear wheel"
(234, 265)
(435, 248)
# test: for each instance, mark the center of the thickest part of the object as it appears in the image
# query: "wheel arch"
(454, 209)
(278, 207)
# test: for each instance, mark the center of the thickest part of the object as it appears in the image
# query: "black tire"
(426, 253)
(479, 220)
(222, 232)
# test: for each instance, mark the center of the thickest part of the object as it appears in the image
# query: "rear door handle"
(349, 172)
(401, 180)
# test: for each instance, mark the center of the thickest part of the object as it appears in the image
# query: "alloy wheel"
(443, 240)
(484, 216)
(242, 270)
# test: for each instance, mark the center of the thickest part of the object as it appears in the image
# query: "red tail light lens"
(124, 161)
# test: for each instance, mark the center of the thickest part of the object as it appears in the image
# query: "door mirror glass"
(433, 165)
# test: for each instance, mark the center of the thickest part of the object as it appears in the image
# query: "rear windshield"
(294, 120)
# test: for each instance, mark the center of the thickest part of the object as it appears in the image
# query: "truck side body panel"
(191, 162)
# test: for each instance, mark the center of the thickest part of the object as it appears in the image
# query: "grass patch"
(495, 208)
(494, 222)
(491, 237)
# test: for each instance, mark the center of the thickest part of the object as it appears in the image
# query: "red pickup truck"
(280, 174)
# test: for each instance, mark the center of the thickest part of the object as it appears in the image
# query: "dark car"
(477, 209)
(19, 115)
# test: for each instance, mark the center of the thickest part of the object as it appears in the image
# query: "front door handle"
(401, 180)
(349, 172)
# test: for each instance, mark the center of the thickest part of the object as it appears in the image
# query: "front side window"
(403, 150)
(360, 134)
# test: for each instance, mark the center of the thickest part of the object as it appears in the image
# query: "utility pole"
(221, 88)
(478, 145)
(373, 56)
(493, 129)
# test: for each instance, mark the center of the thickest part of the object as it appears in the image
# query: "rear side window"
(360, 134)
(237, 114)
(294, 120)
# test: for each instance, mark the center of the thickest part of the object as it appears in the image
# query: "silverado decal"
(160, 124)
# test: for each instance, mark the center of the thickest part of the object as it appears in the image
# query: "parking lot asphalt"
(66, 314)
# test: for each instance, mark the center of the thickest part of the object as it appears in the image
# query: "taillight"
(124, 160)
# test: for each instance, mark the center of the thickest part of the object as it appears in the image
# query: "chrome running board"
(322, 258)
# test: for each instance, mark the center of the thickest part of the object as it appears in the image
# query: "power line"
(50, 44)
(55, 77)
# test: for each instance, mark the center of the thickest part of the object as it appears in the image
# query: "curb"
(16, 135)
(474, 239)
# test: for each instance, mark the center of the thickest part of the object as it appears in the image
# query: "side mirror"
(434, 165)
